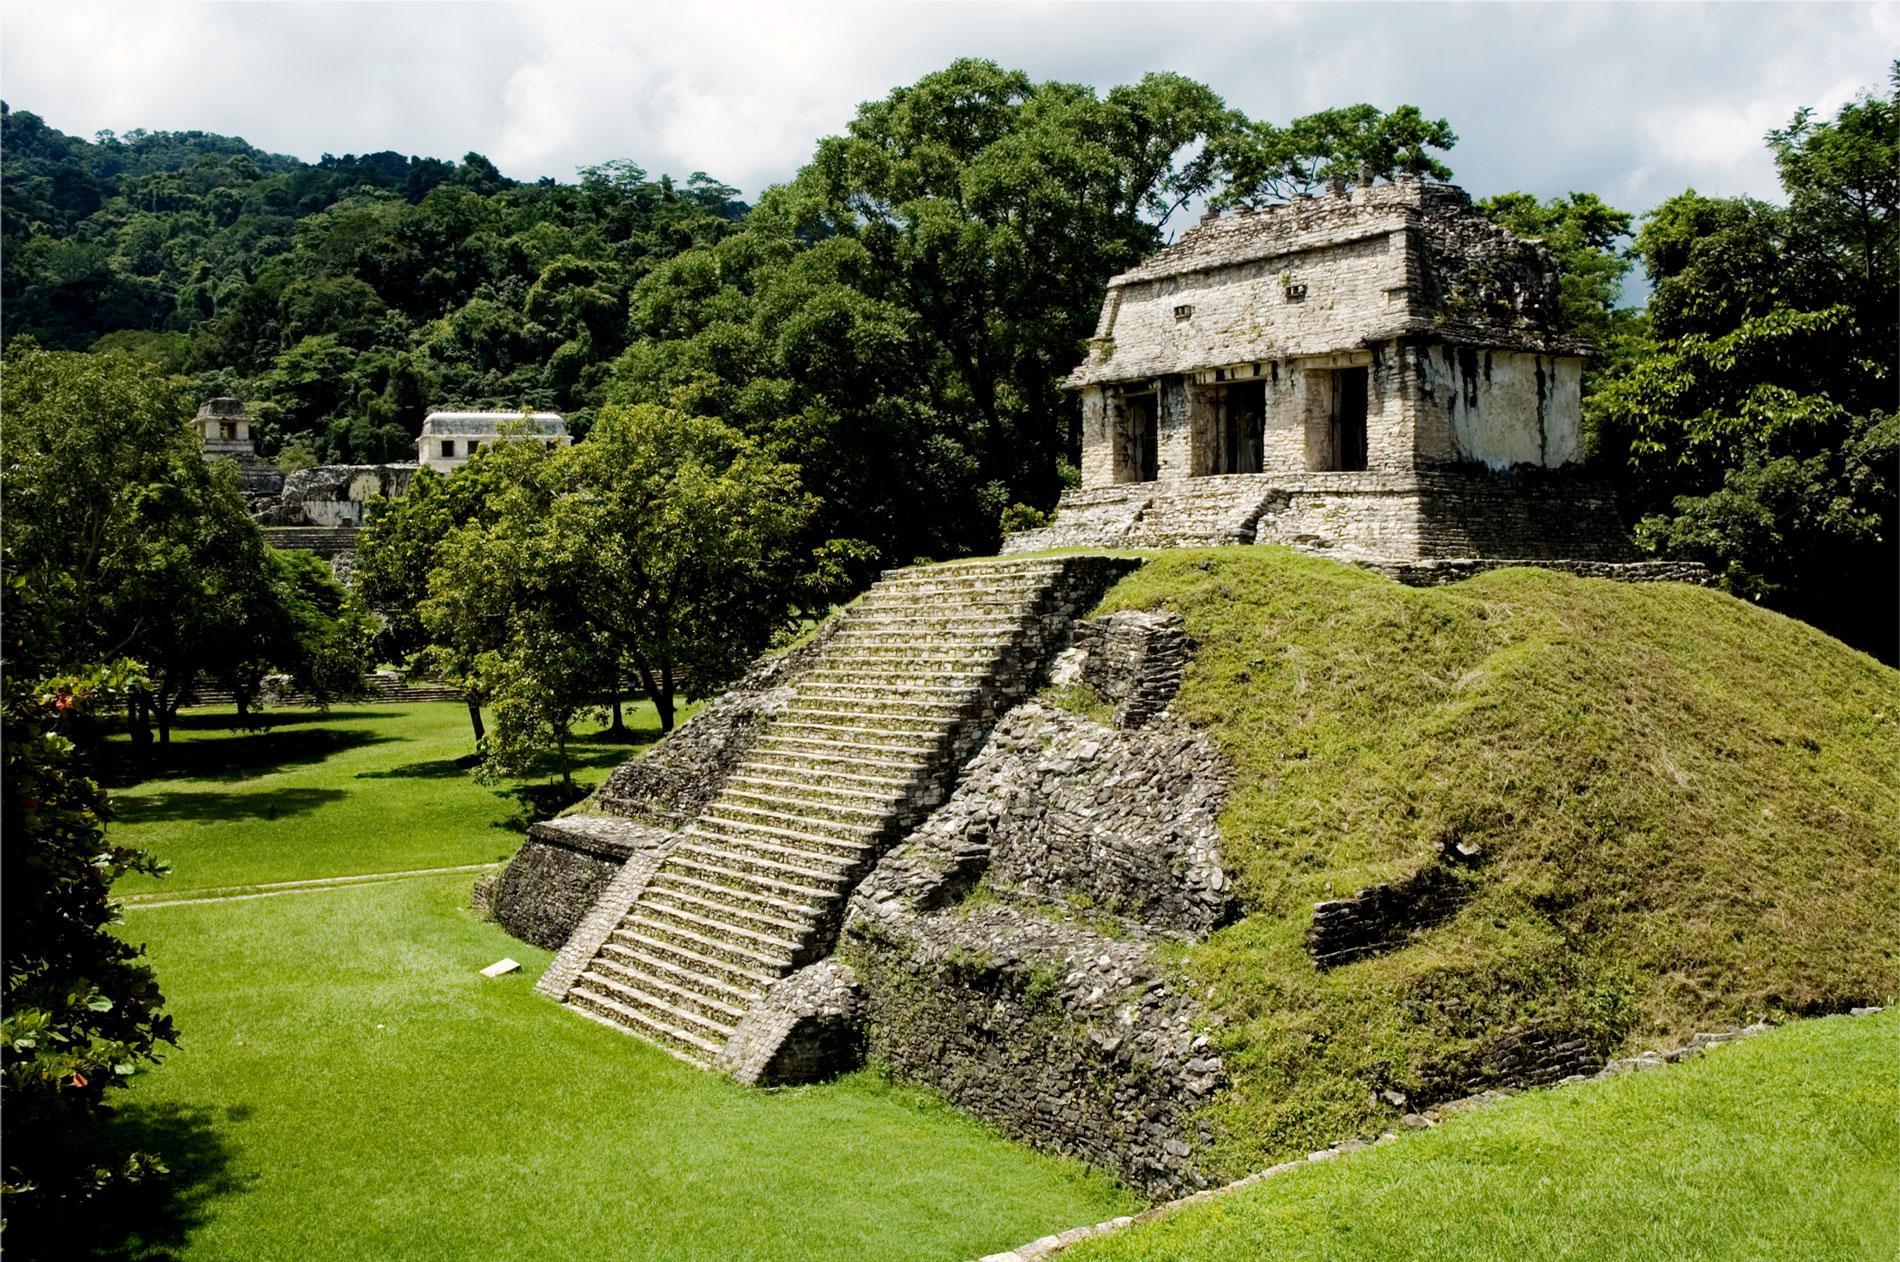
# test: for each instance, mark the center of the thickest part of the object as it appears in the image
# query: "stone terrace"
(678, 949)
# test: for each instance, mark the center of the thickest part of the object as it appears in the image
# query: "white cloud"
(1633, 101)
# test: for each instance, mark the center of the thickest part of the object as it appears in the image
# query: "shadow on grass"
(432, 769)
(238, 756)
(144, 1222)
(210, 805)
(227, 720)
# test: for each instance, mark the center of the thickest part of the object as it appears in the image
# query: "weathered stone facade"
(448, 439)
(1351, 373)
(1042, 1006)
(334, 496)
(561, 870)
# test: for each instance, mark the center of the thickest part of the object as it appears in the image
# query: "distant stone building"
(448, 439)
(224, 430)
(1381, 373)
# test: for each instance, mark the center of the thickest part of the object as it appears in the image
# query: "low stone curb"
(1049, 1246)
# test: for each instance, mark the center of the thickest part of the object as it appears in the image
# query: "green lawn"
(363, 788)
(348, 1086)
(1784, 1146)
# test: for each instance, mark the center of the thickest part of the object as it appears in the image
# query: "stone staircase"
(873, 737)
(1202, 512)
(1182, 513)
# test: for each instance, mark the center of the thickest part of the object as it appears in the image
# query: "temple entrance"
(1341, 440)
(1239, 432)
(1137, 432)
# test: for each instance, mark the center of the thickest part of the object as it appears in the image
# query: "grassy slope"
(1689, 810)
(1784, 1146)
(360, 789)
(349, 1087)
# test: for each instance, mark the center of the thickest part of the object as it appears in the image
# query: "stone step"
(923, 616)
(802, 757)
(739, 975)
(723, 946)
(702, 868)
(774, 926)
(821, 836)
(867, 708)
(893, 681)
(685, 999)
(796, 910)
(720, 854)
(796, 798)
(728, 931)
(592, 993)
(751, 778)
(852, 719)
(701, 972)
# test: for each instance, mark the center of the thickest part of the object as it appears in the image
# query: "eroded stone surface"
(560, 871)
(807, 1028)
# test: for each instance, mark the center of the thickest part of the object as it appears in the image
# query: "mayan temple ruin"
(1379, 373)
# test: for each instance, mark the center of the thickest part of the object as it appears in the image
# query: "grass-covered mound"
(1686, 812)
(1783, 1146)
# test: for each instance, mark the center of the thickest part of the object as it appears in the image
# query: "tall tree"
(1761, 436)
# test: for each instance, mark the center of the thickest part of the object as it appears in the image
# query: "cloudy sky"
(1632, 101)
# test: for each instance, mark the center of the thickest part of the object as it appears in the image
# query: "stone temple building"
(224, 429)
(1380, 373)
(448, 439)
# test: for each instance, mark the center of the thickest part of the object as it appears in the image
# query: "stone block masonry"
(1134, 658)
(1043, 1007)
(871, 738)
(560, 871)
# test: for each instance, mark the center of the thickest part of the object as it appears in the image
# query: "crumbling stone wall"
(1063, 1038)
(333, 496)
(1042, 1006)
(809, 1027)
(1135, 658)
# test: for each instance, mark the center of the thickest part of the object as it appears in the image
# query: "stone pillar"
(1098, 440)
(1175, 458)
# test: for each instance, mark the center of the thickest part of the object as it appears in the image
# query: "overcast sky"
(1632, 101)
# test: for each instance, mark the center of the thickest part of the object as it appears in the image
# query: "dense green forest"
(343, 298)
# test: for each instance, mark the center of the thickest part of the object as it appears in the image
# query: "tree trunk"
(619, 725)
(663, 699)
(475, 720)
(138, 717)
(243, 708)
(560, 744)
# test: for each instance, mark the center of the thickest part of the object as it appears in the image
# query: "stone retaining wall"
(1042, 1006)
(560, 871)
(1067, 1040)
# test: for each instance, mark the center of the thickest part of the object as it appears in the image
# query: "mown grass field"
(359, 789)
(348, 1086)
(1783, 1146)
